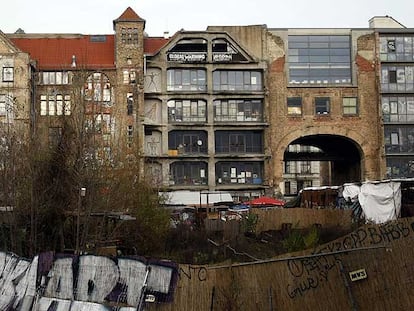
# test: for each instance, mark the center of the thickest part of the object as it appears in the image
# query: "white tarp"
(381, 202)
(191, 198)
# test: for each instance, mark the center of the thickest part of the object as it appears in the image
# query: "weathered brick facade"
(139, 73)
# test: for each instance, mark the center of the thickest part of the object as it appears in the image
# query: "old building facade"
(249, 110)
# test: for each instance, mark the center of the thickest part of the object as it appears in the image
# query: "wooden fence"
(371, 268)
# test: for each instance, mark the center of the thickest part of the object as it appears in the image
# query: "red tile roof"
(55, 52)
(153, 45)
(129, 15)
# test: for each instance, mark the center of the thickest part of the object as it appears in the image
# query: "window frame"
(189, 173)
(238, 110)
(237, 80)
(186, 79)
(319, 104)
(292, 103)
(8, 74)
(187, 110)
(348, 105)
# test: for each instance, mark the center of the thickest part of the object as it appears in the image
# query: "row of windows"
(55, 105)
(195, 50)
(233, 142)
(179, 79)
(55, 77)
(400, 167)
(196, 173)
(231, 110)
(322, 106)
(397, 48)
(397, 78)
(399, 139)
(129, 36)
(398, 108)
(319, 59)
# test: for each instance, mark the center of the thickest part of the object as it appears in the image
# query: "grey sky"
(95, 17)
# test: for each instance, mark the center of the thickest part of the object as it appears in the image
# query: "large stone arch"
(370, 164)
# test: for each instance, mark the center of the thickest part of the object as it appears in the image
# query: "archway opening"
(320, 160)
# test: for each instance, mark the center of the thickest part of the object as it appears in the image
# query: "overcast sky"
(96, 16)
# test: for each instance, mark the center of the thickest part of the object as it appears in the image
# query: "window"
(397, 78)
(397, 48)
(129, 36)
(224, 51)
(234, 80)
(287, 187)
(129, 76)
(3, 105)
(349, 106)
(319, 59)
(130, 135)
(55, 105)
(400, 166)
(98, 89)
(398, 109)
(189, 173)
(238, 110)
(187, 111)
(294, 106)
(130, 104)
(186, 80)
(54, 77)
(305, 167)
(239, 142)
(239, 173)
(399, 139)
(100, 123)
(188, 142)
(8, 74)
(193, 50)
(322, 105)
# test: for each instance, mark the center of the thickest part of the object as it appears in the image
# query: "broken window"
(224, 51)
(397, 48)
(398, 108)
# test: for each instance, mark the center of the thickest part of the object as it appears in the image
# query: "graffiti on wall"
(70, 283)
(308, 273)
